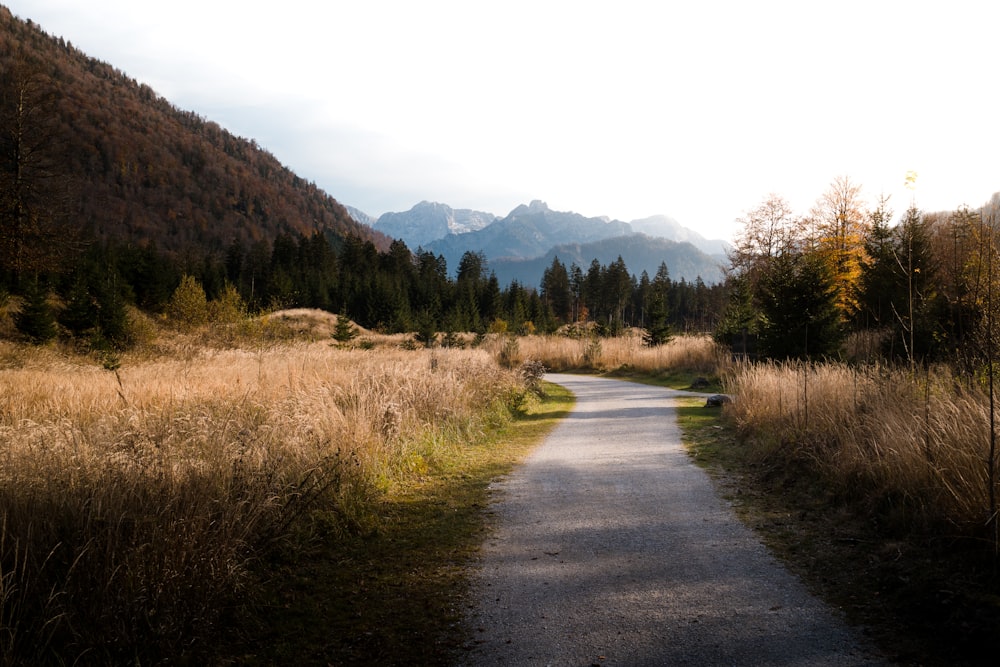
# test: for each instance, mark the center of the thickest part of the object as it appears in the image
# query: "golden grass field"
(135, 500)
(139, 493)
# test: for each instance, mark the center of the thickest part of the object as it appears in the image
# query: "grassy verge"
(925, 601)
(394, 594)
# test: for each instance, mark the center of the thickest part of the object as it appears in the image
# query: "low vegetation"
(625, 354)
(261, 490)
(143, 501)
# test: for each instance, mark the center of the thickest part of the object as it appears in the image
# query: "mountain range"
(521, 245)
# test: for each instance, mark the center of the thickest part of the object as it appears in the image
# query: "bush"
(228, 308)
(188, 307)
(532, 372)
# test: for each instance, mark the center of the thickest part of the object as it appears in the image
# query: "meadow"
(139, 499)
(150, 500)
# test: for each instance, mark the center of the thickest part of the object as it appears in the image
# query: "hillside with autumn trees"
(111, 195)
(118, 161)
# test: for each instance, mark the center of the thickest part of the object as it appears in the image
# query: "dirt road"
(614, 549)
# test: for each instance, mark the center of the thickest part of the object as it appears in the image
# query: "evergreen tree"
(556, 290)
(915, 322)
(576, 289)
(344, 331)
(618, 286)
(800, 317)
(80, 314)
(426, 333)
(738, 326)
(35, 320)
(658, 330)
(113, 324)
(879, 275)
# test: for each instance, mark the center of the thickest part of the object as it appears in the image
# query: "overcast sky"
(694, 109)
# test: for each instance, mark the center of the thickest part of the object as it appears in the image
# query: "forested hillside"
(104, 157)
(110, 196)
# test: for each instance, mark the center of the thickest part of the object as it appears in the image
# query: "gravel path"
(614, 549)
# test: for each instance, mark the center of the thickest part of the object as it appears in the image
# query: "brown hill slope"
(138, 169)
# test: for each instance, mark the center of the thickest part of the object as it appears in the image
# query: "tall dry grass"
(697, 354)
(913, 446)
(135, 504)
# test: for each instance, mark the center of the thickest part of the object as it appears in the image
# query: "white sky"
(695, 109)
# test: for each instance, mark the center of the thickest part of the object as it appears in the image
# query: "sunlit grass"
(695, 355)
(914, 446)
(137, 504)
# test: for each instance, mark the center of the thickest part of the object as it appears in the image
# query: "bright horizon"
(697, 111)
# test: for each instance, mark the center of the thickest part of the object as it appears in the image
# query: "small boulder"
(717, 401)
(699, 383)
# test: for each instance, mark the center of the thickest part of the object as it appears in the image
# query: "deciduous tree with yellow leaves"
(836, 230)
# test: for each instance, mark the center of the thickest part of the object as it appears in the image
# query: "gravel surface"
(613, 548)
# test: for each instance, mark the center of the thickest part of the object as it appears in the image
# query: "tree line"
(848, 278)
(392, 291)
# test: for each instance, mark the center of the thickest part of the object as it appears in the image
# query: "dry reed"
(912, 446)
(697, 354)
(134, 503)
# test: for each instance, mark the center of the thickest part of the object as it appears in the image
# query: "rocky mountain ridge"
(520, 245)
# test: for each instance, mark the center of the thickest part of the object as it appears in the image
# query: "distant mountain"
(430, 221)
(527, 232)
(639, 252)
(360, 216)
(521, 246)
(668, 228)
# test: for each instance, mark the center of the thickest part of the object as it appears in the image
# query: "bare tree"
(769, 230)
(34, 190)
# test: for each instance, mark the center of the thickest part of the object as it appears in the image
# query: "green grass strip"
(397, 595)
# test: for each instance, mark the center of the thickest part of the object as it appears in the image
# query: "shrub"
(228, 308)
(188, 307)
(532, 372)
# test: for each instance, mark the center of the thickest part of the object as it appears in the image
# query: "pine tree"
(658, 331)
(35, 320)
(80, 314)
(800, 316)
(556, 290)
(112, 316)
(344, 331)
